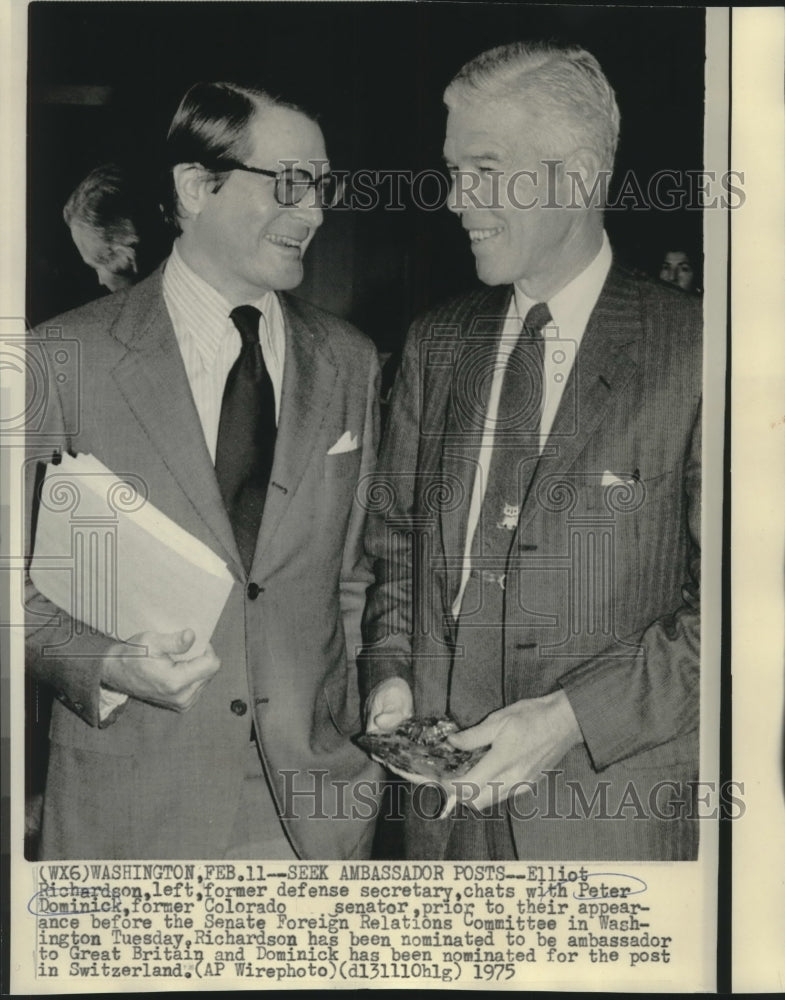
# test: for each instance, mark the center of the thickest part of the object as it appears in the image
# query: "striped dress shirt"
(210, 343)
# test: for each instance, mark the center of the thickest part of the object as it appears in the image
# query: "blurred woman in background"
(678, 268)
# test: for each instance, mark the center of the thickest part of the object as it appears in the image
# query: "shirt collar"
(572, 306)
(199, 311)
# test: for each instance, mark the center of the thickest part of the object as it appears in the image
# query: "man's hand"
(148, 667)
(526, 738)
(389, 705)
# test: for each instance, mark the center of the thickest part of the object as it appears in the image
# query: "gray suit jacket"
(153, 782)
(602, 597)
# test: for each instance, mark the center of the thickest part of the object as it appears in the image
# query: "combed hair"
(107, 203)
(562, 88)
(210, 124)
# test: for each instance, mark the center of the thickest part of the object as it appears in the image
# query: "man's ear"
(585, 163)
(193, 185)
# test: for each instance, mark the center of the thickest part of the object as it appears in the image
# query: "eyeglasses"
(291, 183)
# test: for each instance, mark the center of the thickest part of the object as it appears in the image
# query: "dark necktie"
(477, 675)
(516, 444)
(246, 435)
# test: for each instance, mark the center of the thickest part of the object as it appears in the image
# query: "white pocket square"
(611, 479)
(346, 442)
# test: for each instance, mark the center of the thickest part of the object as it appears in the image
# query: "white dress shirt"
(570, 310)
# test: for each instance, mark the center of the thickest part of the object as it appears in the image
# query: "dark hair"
(691, 251)
(210, 124)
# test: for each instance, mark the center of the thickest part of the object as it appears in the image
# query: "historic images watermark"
(314, 795)
(552, 186)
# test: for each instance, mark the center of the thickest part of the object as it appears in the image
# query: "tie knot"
(536, 318)
(246, 319)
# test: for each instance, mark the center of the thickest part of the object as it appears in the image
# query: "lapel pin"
(510, 515)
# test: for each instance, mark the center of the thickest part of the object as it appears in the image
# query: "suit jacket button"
(238, 707)
(253, 591)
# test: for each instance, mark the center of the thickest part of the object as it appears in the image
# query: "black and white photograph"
(373, 496)
(556, 600)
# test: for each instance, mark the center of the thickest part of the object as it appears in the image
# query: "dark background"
(105, 79)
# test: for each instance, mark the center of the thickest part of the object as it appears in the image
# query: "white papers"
(109, 558)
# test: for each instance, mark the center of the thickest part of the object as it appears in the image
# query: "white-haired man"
(537, 565)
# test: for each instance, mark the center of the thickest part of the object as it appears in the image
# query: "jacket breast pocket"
(625, 493)
(344, 464)
(662, 485)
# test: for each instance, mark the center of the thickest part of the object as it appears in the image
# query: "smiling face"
(500, 186)
(239, 239)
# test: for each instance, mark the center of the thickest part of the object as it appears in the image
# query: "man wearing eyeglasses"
(250, 416)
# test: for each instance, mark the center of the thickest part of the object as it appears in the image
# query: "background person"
(678, 268)
(113, 229)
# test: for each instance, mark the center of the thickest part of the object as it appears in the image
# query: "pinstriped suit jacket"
(602, 596)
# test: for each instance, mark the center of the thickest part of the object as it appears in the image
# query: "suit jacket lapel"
(152, 378)
(479, 332)
(309, 380)
(603, 366)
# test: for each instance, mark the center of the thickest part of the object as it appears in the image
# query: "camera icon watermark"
(472, 359)
(37, 368)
